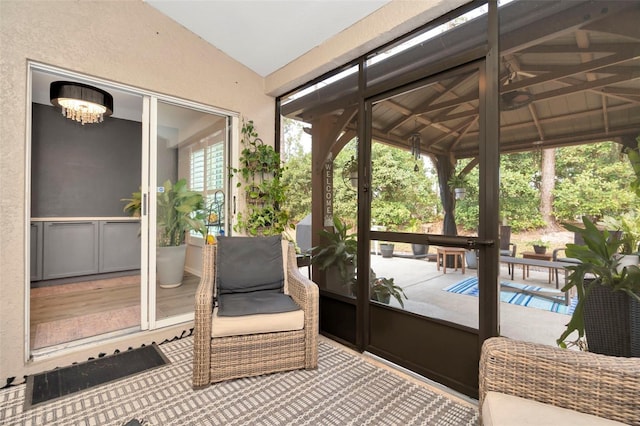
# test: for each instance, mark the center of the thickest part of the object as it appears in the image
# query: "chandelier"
(81, 102)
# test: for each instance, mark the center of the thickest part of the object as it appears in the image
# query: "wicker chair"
(217, 359)
(599, 385)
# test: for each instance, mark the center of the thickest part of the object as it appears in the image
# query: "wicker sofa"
(524, 383)
(223, 358)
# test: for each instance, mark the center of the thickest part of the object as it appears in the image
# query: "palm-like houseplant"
(339, 253)
(383, 288)
(179, 210)
(598, 278)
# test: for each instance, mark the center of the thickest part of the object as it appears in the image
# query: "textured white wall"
(131, 43)
(126, 42)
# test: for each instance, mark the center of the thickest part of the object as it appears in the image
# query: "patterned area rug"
(469, 287)
(69, 329)
(344, 390)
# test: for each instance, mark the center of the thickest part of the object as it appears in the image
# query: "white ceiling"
(266, 35)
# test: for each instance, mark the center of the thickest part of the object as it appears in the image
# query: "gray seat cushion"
(256, 302)
(250, 277)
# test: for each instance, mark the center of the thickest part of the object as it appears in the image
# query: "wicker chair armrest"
(305, 293)
(595, 384)
(202, 319)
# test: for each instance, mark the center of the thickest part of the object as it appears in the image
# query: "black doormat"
(60, 382)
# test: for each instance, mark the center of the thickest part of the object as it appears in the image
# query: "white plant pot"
(170, 265)
(627, 260)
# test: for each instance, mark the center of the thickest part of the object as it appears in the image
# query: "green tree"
(297, 179)
(593, 180)
(520, 190)
(402, 196)
(297, 175)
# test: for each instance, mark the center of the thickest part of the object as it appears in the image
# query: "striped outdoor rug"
(469, 287)
(344, 390)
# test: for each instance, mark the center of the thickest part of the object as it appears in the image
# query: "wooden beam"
(570, 70)
(572, 48)
(585, 86)
(440, 91)
(560, 23)
(469, 123)
(536, 120)
(629, 91)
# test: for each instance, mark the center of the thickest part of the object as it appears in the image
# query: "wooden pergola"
(569, 75)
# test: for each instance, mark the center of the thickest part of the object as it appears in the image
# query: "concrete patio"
(423, 284)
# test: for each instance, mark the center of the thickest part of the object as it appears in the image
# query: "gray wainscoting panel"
(70, 249)
(119, 246)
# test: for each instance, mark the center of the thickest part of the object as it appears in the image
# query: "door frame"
(146, 322)
(403, 337)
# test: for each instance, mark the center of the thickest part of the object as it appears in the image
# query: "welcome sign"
(327, 191)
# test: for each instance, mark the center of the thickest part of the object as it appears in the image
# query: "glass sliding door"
(98, 270)
(85, 257)
(188, 153)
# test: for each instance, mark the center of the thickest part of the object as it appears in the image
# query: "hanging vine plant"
(259, 175)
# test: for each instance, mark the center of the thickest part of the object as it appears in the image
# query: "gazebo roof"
(575, 65)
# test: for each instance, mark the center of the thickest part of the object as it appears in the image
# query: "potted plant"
(260, 172)
(338, 256)
(383, 288)
(458, 184)
(471, 256)
(629, 225)
(386, 249)
(608, 296)
(178, 210)
(350, 172)
(540, 247)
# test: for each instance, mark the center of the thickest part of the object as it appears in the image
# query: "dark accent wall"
(79, 171)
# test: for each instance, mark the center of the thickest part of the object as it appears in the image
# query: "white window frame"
(217, 136)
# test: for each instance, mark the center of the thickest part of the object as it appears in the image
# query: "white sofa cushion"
(256, 324)
(501, 409)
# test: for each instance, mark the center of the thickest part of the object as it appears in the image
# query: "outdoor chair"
(507, 248)
(255, 312)
(577, 239)
(530, 383)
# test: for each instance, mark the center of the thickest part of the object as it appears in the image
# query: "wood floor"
(98, 307)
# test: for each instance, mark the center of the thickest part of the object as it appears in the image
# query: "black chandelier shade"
(81, 92)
